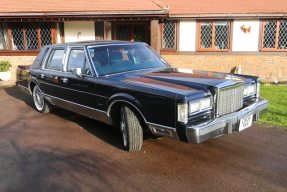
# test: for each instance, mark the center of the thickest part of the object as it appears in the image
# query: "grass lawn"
(277, 108)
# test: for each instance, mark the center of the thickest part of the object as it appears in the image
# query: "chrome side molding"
(80, 109)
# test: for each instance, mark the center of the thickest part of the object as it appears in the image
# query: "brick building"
(215, 35)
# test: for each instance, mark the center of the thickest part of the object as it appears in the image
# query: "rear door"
(49, 76)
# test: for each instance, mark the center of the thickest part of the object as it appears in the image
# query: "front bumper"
(223, 125)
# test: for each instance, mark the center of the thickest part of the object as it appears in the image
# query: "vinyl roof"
(95, 42)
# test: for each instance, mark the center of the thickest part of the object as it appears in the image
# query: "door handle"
(64, 80)
(42, 76)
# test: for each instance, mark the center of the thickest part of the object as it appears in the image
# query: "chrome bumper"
(223, 125)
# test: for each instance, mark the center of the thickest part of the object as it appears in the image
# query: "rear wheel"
(39, 101)
(131, 129)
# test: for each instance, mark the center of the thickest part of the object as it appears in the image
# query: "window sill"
(273, 50)
(213, 50)
(18, 53)
(168, 50)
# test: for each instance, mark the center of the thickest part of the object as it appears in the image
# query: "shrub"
(4, 66)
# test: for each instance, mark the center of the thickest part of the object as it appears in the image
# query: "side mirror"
(77, 71)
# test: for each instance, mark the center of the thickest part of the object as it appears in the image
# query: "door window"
(55, 60)
(77, 59)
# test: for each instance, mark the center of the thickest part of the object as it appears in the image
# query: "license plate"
(245, 122)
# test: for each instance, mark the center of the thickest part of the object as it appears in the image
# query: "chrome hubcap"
(124, 128)
(38, 98)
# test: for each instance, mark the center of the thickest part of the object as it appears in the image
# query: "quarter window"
(55, 60)
(214, 36)
(274, 35)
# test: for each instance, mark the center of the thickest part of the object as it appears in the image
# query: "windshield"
(124, 57)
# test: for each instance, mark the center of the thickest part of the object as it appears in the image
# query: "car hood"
(180, 81)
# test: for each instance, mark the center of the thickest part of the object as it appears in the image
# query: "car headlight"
(182, 113)
(249, 90)
(200, 105)
(194, 107)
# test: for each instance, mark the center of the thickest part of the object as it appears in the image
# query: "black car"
(127, 84)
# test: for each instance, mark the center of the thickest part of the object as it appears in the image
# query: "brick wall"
(269, 67)
(17, 60)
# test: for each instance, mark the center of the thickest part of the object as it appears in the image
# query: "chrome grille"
(229, 99)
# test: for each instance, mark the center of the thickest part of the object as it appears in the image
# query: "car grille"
(229, 99)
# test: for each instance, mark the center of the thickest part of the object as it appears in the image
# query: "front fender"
(125, 98)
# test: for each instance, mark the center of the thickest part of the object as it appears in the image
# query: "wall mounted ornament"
(245, 28)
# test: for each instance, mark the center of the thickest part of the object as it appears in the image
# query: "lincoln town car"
(127, 84)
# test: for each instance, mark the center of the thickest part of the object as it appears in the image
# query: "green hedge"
(4, 66)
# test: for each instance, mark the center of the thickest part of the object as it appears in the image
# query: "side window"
(55, 60)
(77, 59)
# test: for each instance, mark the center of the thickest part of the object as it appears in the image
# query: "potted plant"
(5, 73)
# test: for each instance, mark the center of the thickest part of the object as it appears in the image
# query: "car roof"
(95, 42)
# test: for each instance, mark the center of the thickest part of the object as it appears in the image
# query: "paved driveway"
(63, 151)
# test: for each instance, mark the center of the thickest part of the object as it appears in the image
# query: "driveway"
(63, 151)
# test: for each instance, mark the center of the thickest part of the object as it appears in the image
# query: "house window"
(26, 36)
(214, 36)
(30, 36)
(169, 35)
(274, 35)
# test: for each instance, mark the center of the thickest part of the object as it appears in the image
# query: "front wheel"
(131, 129)
(39, 101)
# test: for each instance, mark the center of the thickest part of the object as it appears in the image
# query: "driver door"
(80, 90)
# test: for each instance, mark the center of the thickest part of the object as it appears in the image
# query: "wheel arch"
(116, 101)
(32, 84)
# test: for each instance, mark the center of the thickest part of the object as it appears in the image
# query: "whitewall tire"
(40, 103)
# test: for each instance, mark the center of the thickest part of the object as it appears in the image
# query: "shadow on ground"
(46, 168)
(107, 133)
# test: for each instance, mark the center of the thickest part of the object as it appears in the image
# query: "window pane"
(46, 35)
(31, 38)
(269, 38)
(3, 37)
(25, 36)
(168, 35)
(221, 35)
(77, 59)
(206, 35)
(282, 41)
(120, 58)
(17, 37)
(100, 30)
(139, 33)
(55, 60)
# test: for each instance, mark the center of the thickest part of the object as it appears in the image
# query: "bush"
(4, 66)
